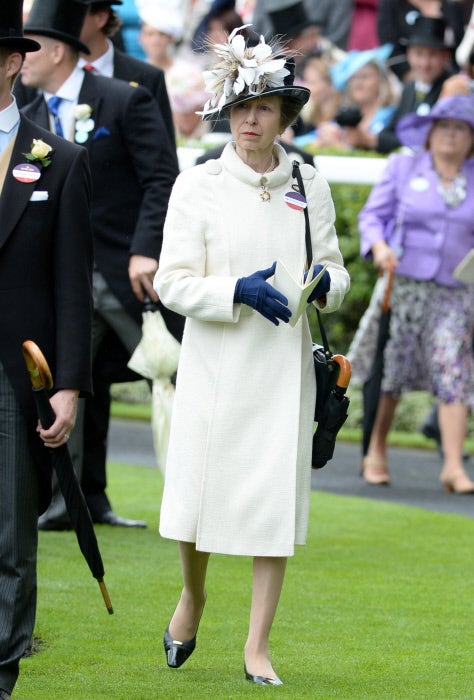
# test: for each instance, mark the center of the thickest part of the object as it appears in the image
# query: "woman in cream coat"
(239, 458)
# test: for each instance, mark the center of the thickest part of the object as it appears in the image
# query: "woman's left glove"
(323, 286)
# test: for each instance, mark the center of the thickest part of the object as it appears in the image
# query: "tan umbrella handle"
(37, 366)
(345, 371)
(388, 292)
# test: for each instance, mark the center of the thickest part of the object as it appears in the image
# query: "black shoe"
(177, 652)
(52, 525)
(4, 695)
(111, 518)
(261, 680)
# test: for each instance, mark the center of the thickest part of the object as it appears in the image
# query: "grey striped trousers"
(18, 536)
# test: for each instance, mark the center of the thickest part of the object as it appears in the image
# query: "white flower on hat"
(252, 69)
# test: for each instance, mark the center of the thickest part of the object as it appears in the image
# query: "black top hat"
(290, 21)
(216, 8)
(429, 31)
(59, 19)
(11, 27)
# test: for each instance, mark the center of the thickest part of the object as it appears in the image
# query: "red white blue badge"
(26, 172)
(295, 200)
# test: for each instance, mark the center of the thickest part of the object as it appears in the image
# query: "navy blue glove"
(255, 291)
(323, 286)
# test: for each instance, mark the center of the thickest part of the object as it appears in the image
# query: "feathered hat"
(248, 71)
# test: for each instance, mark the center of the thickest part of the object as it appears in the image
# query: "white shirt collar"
(104, 65)
(9, 117)
(71, 87)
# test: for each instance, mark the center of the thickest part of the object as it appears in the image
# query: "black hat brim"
(102, 2)
(62, 36)
(299, 94)
(21, 44)
(426, 41)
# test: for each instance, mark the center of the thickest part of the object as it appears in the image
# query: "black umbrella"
(373, 383)
(81, 520)
(333, 417)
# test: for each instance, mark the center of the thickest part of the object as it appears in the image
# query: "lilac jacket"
(433, 236)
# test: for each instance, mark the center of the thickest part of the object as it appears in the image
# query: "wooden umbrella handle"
(345, 371)
(37, 366)
(387, 292)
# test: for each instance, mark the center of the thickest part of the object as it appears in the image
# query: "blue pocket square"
(100, 133)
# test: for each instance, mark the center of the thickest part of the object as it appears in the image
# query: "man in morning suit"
(100, 25)
(133, 168)
(45, 296)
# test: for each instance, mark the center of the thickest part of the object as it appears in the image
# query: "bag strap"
(309, 250)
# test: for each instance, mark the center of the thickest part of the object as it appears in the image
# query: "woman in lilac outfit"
(419, 223)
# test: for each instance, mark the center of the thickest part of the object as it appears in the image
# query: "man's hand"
(64, 404)
(141, 271)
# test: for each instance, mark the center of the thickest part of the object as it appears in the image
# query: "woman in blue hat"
(367, 99)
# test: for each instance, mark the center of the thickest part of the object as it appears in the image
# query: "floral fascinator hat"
(413, 129)
(247, 71)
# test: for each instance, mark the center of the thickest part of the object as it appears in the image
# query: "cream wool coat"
(238, 467)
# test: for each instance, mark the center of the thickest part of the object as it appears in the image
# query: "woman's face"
(451, 137)
(154, 43)
(317, 80)
(364, 85)
(256, 123)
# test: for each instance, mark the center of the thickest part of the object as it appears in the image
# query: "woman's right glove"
(255, 291)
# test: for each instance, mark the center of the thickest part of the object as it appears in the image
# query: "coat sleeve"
(72, 253)
(182, 282)
(380, 208)
(324, 239)
(155, 168)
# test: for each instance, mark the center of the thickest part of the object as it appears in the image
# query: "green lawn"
(378, 605)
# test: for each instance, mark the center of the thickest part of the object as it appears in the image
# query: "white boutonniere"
(84, 122)
(39, 153)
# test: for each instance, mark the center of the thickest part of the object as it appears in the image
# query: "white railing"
(336, 169)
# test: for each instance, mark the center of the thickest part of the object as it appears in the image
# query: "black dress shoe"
(111, 518)
(52, 525)
(177, 652)
(261, 680)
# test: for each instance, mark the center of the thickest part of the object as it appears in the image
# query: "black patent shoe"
(261, 680)
(177, 652)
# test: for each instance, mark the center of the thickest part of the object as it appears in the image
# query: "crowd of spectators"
(358, 58)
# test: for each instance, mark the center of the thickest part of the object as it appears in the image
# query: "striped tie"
(53, 105)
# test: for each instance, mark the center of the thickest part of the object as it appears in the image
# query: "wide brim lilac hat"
(413, 129)
(245, 72)
(342, 71)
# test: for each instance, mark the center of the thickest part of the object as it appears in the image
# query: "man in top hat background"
(429, 55)
(133, 167)
(100, 25)
(45, 296)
